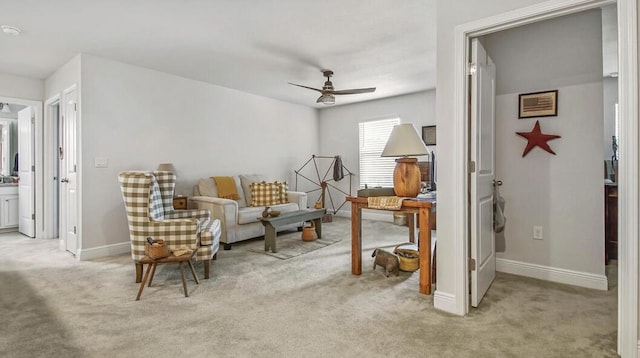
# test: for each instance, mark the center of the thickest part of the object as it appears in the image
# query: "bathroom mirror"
(8, 145)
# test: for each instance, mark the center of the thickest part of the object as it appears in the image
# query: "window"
(375, 170)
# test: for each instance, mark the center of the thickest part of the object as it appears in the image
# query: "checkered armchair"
(148, 199)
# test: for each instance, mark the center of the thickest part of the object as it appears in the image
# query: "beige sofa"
(239, 219)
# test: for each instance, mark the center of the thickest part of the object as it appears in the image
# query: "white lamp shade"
(4, 107)
(404, 141)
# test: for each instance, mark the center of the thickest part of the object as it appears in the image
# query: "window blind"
(374, 169)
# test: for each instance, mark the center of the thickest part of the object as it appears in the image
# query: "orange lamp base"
(406, 177)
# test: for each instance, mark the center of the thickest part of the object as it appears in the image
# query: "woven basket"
(409, 258)
(156, 251)
(309, 232)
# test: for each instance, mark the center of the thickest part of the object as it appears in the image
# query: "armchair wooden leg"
(139, 270)
(207, 264)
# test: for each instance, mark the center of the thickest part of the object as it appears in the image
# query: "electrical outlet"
(537, 233)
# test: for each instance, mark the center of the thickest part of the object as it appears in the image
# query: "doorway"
(628, 258)
(29, 127)
(60, 168)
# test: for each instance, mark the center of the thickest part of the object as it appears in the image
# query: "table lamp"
(403, 142)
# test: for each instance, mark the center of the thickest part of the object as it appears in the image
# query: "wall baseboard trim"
(553, 274)
(445, 302)
(103, 251)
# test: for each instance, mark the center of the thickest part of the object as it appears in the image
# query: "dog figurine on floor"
(387, 260)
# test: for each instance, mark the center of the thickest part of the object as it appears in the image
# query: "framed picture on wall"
(538, 104)
(429, 135)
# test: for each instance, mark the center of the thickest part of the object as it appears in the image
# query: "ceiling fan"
(328, 93)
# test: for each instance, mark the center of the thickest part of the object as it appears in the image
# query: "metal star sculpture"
(536, 138)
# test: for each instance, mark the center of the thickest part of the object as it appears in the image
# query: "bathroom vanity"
(9, 211)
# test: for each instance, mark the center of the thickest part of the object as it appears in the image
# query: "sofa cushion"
(265, 194)
(207, 187)
(246, 180)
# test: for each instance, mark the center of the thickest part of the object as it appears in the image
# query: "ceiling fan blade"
(311, 88)
(355, 91)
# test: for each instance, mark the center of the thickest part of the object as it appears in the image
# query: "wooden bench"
(272, 223)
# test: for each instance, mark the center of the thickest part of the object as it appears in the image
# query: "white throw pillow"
(208, 187)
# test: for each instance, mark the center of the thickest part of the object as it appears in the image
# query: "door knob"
(64, 180)
(497, 182)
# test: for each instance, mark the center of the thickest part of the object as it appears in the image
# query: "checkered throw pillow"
(283, 188)
(264, 194)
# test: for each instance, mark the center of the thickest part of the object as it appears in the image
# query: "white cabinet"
(9, 213)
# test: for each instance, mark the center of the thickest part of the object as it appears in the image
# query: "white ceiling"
(255, 46)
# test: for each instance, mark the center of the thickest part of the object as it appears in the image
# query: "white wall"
(545, 55)
(610, 98)
(449, 297)
(561, 193)
(339, 125)
(609, 40)
(21, 87)
(138, 118)
(63, 78)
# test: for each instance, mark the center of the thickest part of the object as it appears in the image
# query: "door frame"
(628, 173)
(49, 225)
(37, 111)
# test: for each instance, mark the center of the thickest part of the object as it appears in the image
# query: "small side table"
(180, 202)
(154, 263)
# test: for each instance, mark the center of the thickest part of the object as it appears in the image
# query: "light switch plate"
(101, 162)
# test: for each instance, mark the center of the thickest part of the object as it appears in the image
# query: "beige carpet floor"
(255, 305)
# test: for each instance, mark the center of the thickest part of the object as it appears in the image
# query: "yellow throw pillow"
(283, 196)
(264, 194)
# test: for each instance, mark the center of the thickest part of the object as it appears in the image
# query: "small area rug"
(290, 244)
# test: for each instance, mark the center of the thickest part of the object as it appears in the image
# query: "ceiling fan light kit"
(328, 92)
(327, 99)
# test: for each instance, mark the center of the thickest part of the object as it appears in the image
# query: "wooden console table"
(423, 208)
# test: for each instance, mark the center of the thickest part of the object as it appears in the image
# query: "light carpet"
(307, 306)
(289, 244)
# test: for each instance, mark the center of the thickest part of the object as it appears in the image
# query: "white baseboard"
(445, 302)
(103, 251)
(553, 274)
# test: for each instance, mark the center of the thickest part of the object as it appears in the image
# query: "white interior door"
(482, 149)
(68, 169)
(26, 171)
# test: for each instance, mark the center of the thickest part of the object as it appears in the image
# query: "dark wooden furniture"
(180, 203)
(422, 207)
(610, 222)
(272, 223)
(171, 259)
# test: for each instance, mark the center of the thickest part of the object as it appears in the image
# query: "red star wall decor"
(536, 138)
